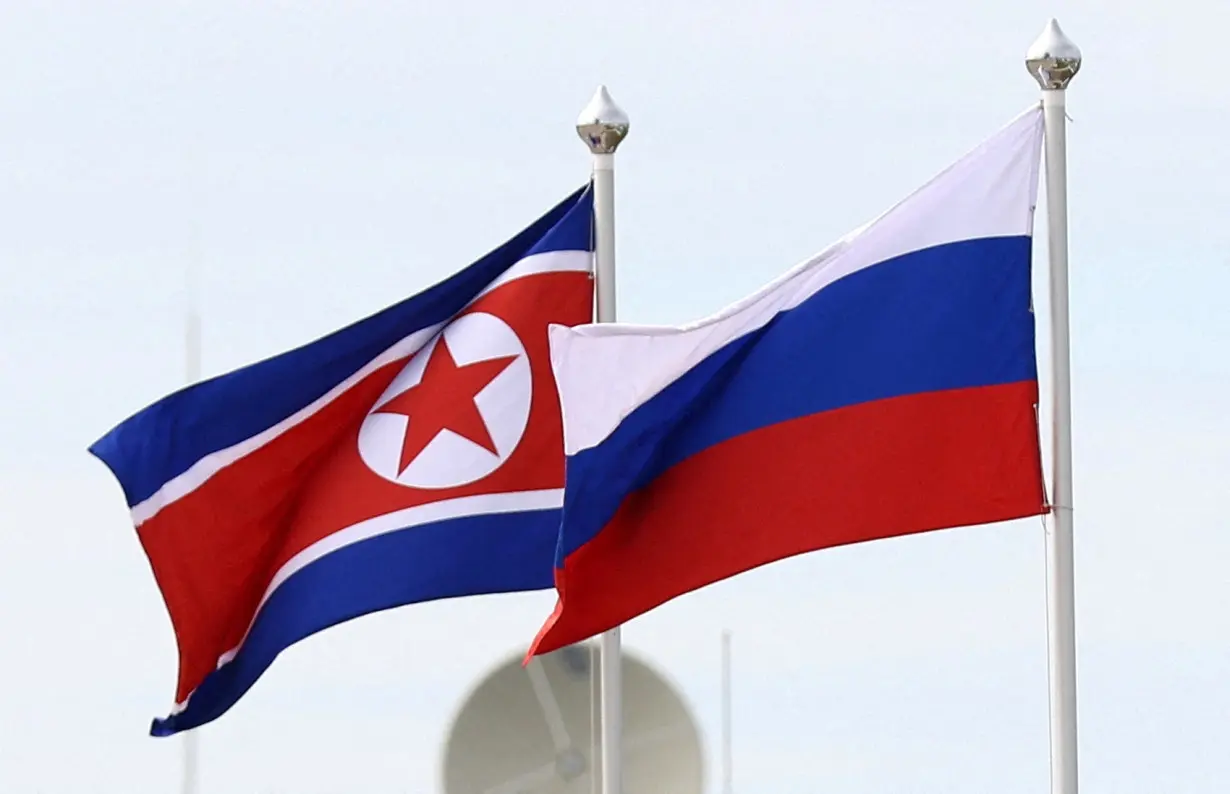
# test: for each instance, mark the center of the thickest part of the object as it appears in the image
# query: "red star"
(444, 400)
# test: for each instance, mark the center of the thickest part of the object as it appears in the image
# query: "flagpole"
(192, 374)
(603, 126)
(1054, 60)
(595, 721)
(727, 756)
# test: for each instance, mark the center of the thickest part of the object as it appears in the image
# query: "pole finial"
(603, 125)
(1053, 59)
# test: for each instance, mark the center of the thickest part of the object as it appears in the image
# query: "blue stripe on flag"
(502, 552)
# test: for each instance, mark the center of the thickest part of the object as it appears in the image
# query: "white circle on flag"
(452, 416)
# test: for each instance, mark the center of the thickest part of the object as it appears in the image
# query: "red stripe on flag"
(877, 470)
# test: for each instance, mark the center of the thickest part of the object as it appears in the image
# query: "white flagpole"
(603, 126)
(192, 373)
(595, 721)
(192, 346)
(190, 756)
(727, 755)
(1054, 60)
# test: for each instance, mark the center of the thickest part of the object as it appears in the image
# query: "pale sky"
(323, 160)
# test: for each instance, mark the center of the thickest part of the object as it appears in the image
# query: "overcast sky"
(322, 160)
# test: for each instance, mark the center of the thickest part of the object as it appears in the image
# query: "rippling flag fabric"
(414, 455)
(885, 387)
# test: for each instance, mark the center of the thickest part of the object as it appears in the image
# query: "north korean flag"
(414, 455)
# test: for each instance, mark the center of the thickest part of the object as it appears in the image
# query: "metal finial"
(1053, 59)
(602, 124)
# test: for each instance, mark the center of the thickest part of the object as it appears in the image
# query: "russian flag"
(414, 455)
(887, 386)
